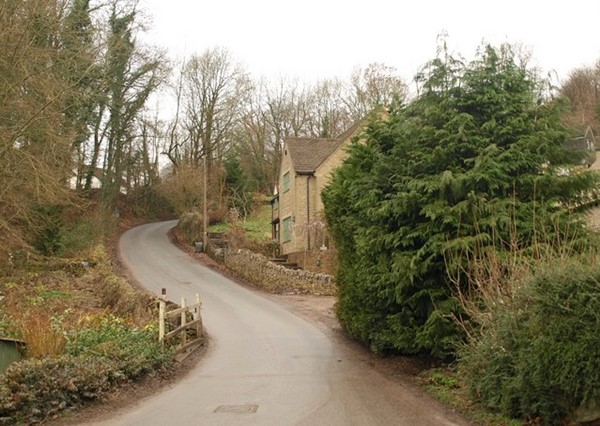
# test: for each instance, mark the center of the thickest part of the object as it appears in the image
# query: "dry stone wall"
(274, 278)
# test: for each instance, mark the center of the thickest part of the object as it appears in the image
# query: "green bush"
(80, 235)
(102, 354)
(539, 357)
(48, 233)
(134, 351)
(475, 156)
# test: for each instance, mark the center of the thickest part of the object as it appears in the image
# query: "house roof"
(353, 130)
(307, 154)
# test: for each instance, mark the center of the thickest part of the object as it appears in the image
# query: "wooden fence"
(189, 331)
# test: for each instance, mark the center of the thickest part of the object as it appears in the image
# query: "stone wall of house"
(319, 262)
(274, 278)
(287, 202)
(325, 171)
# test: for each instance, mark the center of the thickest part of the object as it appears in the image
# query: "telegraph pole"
(205, 210)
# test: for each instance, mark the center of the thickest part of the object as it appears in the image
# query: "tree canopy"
(476, 160)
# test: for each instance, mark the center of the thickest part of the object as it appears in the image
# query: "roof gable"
(307, 154)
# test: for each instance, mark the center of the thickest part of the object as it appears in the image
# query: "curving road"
(265, 365)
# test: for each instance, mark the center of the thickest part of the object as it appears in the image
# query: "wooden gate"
(184, 323)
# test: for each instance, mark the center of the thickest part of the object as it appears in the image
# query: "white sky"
(313, 39)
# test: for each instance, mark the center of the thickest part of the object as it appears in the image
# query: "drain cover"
(237, 409)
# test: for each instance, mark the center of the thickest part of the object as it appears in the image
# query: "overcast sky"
(314, 39)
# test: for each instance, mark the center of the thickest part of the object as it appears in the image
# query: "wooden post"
(183, 322)
(197, 317)
(162, 306)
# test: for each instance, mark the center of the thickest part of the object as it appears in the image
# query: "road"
(265, 365)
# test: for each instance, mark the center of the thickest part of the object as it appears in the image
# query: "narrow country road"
(265, 365)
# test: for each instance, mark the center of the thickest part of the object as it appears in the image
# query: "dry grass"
(494, 271)
(43, 335)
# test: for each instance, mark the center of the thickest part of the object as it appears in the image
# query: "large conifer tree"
(472, 161)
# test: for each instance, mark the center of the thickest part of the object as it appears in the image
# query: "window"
(286, 182)
(287, 229)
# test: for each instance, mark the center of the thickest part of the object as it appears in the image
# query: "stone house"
(297, 209)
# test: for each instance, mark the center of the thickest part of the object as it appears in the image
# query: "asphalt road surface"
(265, 365)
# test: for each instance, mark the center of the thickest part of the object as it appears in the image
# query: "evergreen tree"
(472, 159)
(237, 186)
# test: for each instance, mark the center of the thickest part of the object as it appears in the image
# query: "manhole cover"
(237, 409)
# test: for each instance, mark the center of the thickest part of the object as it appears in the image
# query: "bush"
(114, 293)
(48, 234)
(539, 356)
(148, 203)
(478, 151)
(101, 354)
(190, 225)
(37, 389)
(133, 350)
(43, 334)
(81, 234)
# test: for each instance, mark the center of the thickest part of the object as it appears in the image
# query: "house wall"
(325, 171)
(319, 262)
(294, 205)
(293, 202)
(287, 202)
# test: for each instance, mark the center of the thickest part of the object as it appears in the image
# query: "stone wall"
(258, 270)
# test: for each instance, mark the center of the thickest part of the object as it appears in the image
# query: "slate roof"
(307, 154)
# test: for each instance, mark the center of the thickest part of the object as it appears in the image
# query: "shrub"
(104, 352)
(539, 356)
(114, 293)
(36, 389)
(48, 233)
(133, 350)
(43, 334)
(479, 149)
(190, 224)
(148, 203)
(81, 234)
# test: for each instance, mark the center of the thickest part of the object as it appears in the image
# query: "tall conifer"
(477, 159)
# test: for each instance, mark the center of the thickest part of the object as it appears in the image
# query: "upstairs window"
(286, 182)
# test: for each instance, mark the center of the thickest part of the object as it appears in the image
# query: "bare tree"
(215, 89)
(582, 88)
(253, 143)
(287, 113)
(132, 74)
(376, 85)
(175, 139)
(329, 116)
(35, 133)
